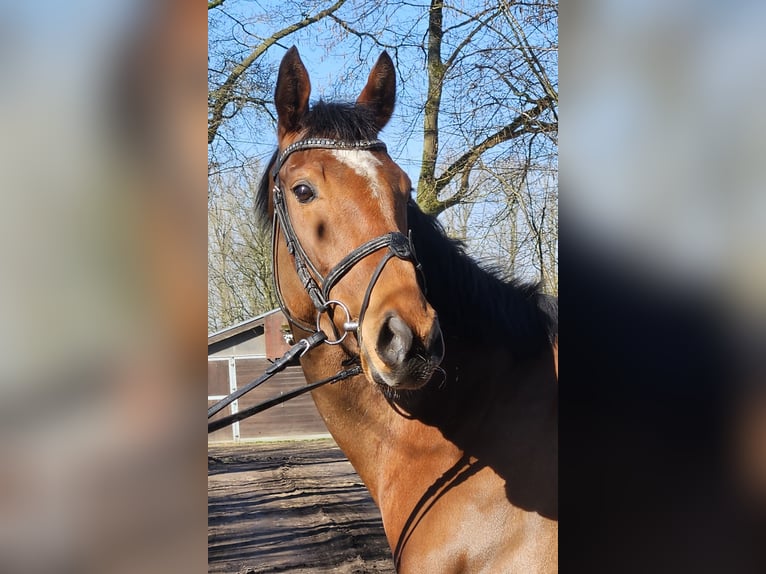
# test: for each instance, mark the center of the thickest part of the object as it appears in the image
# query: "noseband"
(316, 285)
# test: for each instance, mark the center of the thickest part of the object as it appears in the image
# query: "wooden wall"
(296, 417)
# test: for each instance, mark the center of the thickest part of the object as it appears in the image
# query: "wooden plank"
(217, 378)
(296, 417)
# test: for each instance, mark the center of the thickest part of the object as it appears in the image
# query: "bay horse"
(452, 423)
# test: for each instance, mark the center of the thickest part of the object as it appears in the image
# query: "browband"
(323, 143)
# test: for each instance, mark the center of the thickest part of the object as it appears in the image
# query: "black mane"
(476, 303)
(471, 301)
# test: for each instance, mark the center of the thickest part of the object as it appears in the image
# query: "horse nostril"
(394, 341)
(435, 344)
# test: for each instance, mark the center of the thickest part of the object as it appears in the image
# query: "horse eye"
(303, 193)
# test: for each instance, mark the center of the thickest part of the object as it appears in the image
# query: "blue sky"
(338, 68)
(328, 69)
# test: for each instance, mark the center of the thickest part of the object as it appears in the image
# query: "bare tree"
(240, 283)
(238, 77)
(510, 222)
(490, 127)
(528, 201)
(497, 88)
(478, 97)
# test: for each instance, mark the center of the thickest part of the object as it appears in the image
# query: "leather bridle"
(316, 285)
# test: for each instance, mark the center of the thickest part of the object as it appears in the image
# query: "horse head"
(343, 258)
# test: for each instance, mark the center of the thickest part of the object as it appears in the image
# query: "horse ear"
(380, 92)
(292, 92)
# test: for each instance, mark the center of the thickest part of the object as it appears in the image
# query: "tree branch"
(523, 123)
(432, 104)
(362, 34)
(467, 40)
(529, 54)
(219, 98)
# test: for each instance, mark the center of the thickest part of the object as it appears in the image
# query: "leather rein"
(317, 286)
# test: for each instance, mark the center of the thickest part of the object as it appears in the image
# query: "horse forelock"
(342, 121)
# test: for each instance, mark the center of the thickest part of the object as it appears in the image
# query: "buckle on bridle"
(400, 245)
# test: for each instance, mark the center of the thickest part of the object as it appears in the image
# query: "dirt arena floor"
(291, 507)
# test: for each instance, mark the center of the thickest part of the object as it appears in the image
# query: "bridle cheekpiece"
(316, 285)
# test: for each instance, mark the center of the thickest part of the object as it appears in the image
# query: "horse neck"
(403, 448)
(502, 413)
(487, 397)
(490, 411)
(363, 422)
(486, 432)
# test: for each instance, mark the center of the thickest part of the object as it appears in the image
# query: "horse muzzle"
(399, 357)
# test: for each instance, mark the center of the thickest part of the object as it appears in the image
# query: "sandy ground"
(291, 507)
